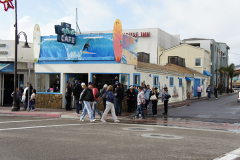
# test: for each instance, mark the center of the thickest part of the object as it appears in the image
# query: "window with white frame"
(197, 61)
(48, 83)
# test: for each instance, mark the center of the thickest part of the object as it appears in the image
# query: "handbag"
(153, 97)
(23, 98)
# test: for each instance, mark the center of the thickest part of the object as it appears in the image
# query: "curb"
(33, 114)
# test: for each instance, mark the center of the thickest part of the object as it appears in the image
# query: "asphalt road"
(37, 138)
(225, 109)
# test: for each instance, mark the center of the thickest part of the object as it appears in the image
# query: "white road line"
(8, 129)
(230, 156)
(174, 127)
(28, 121)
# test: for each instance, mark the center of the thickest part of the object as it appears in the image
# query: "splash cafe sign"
(139, 34)
(65, 34)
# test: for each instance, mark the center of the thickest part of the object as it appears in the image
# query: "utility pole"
(217, 70)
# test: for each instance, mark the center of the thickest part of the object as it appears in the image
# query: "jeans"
(118, 108)
(209, 95)
(199, 94)
(31, 107)
(82, 105)
(110, 106)
(104, 103)
(147, 102)
(87, 108)
(25, 105)
(94, 108)
(77, 106)
(216, 94)
(140, 110)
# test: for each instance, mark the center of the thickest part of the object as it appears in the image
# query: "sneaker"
(116, 121)
(103, 121)
(135, 117)
(216, 98)
(93, 120)
(33, 110)
(81, 119)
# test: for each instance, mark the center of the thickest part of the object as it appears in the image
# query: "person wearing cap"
(103, 91)
(130, 98)
(154, 101)
(76, 92)
(165, 99)
(87, 97)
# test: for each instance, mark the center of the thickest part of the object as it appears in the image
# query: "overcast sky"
(214, 19)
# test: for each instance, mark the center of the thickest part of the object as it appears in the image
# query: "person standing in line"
(147, 96)
(96, 95)
(118, 100)
(154, 102)
(216, 91)
(150, 111)
(25, 94)
(18, 96)
(209, 91)
(110, 105)
(103, 91)
(199, 91)
(87, 97)
(135, 98)
(165, 99)
(140, 103)
(122, 92)
(130, 99)
(82, 104)
(68, 96)
(32, 100)
(76, 92)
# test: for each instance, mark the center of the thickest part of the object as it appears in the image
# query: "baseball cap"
(83, 84)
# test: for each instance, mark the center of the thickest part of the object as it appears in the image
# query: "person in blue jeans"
(209, 91)
(140, 103)
(87, 97)
(94, 105)
(32, 100)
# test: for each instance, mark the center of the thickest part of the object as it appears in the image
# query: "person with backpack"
(76, 92)
(110, 105)
(96, 95)
(165, 99)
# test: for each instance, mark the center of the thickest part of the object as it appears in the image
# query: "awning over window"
(207, 73)
(189, 78)
(3, 65)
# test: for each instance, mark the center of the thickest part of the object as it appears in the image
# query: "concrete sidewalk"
(62, 113)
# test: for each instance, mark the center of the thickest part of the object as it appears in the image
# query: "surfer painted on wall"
(87, 46)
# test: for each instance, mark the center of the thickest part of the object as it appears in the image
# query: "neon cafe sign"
(65, 34)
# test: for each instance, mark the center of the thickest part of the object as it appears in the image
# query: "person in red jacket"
(96, 95)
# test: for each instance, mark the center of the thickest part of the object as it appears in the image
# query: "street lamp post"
(17, 36)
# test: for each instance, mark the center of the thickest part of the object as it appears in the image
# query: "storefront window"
(48, 83)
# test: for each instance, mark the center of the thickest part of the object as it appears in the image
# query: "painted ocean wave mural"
(100, 48)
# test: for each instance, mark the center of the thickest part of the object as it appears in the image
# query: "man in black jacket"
(87, 97)
(118, 100)
(76, 92)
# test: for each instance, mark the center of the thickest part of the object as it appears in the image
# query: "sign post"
(29, 66)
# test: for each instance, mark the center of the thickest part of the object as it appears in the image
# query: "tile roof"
(171, 68)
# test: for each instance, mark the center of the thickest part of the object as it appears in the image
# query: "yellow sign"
(3, 52)
(2, 45)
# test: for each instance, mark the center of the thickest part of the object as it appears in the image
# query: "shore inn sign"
(65, 34)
